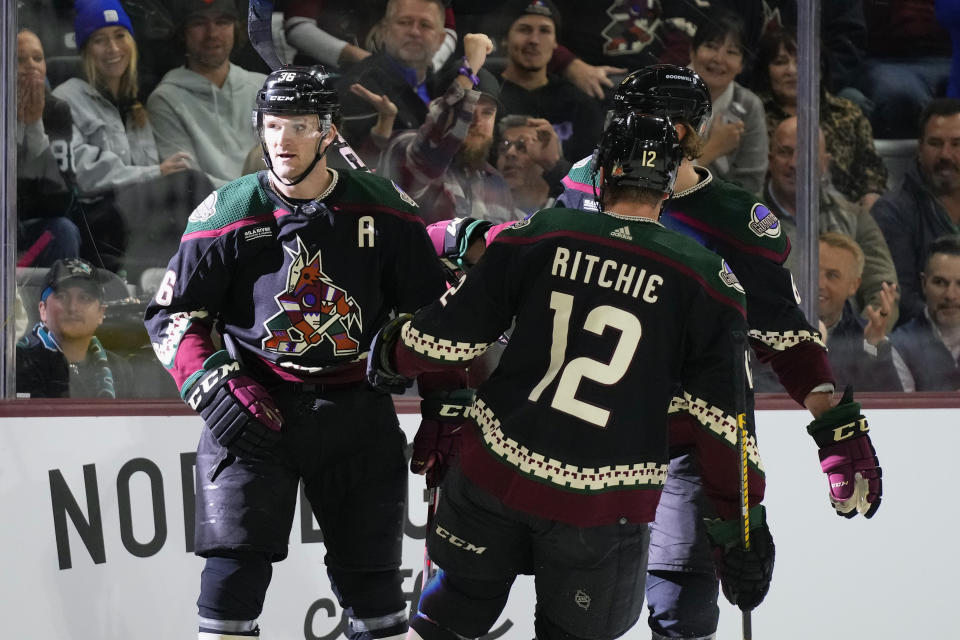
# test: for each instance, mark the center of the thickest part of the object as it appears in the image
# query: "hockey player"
(615, 318)
(681, 586)
(296, 267)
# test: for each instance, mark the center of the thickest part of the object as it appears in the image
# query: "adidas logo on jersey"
(623, 233)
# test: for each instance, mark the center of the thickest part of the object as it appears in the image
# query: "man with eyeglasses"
(527, 150)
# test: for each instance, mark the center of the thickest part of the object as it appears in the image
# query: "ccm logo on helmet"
(275, 98)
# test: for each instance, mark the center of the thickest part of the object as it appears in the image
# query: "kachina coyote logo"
(312, 309)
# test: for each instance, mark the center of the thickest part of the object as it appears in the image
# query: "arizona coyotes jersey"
(618, 321)
(730, 221)
(301, 290)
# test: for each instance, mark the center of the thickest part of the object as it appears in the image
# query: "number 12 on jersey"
(571, 373)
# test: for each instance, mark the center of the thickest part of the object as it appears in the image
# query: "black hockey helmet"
(667, 90)
(297, 90)
(639, 150)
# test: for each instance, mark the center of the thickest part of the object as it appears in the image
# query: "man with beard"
(525, 86)
(203, 108)
(411, 32)
(927, 205)
(443, 164)
(927, 349)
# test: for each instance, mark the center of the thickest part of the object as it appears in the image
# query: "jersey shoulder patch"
(231, 203)
(363, 189)
(734, 213)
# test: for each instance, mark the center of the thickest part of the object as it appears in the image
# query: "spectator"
(443, 165)
(859, 351)
(735, 146)
(927, 204)
(527, 145)
(856, 169)
(118, 173)
(836, 214)
(412, 33)
(338, 33)
(525, 86)
(927, 349)
(61, 357)
(45, 177)
(203, 108)
(907, 63)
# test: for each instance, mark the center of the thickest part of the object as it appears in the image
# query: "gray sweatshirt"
(111, 153)
(189, 113)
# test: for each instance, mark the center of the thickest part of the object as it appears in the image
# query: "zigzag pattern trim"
(557, 472)
(721, 424)
(440, 348)
(783, 341)
(176, 325)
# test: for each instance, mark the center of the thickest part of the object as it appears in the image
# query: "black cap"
(192, 8)
(73, 272)
(489, 86)
(543, 8)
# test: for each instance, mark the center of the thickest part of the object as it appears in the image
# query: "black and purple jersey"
(300, 287)
(617, 323)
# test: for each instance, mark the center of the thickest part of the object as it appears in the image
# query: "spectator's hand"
(724, 138)
(31, 98)
(876, 329)
(590, 79)
(547, 152)
(179, 161)
(386, 110)
(476, 48)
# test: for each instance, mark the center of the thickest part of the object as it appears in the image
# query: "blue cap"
(96, 14)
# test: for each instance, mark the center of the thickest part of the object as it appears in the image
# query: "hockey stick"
(260, 30)
(429, 569)
(741, 373)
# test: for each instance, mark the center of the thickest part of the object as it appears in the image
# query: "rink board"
(96, 543)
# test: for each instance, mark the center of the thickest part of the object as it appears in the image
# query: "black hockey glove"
(744, 574)
(436, 443)
(380, 369)
(239, 412)
(848, 458)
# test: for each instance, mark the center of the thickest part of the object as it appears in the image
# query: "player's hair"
(613, 193)
(691, 143)
(127, 94)
(938, 107)
(947, 245)
(843, 241)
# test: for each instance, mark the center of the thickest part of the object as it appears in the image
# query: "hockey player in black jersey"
(681, 587)
(617, 322)
(295, 267)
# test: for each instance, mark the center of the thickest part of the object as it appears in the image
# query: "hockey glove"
(380, 369)
(435, 445)
(744, 574)
(239, 412)
(452, 238)
(848, 458)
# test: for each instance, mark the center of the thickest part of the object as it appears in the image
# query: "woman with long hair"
(133, 198)
(856, 169)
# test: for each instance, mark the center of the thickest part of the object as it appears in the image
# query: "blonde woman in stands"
(119, 173)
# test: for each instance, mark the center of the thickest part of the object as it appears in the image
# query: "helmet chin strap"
(316, 158)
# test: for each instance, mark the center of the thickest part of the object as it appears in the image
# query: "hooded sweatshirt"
(189, 113)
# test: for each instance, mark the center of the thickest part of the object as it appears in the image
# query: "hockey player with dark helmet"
(666, 89)
(298, 90)
(639, 152)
